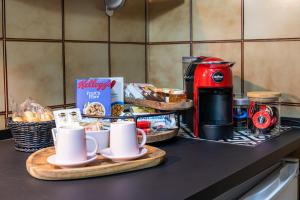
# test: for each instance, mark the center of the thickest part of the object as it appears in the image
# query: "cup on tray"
(123, 139)
(70, 144)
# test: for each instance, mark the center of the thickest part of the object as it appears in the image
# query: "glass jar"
(264, 112)
(240, 113)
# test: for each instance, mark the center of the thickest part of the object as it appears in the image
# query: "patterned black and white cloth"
(244, 138)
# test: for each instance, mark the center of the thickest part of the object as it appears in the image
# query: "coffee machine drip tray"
(244, 138)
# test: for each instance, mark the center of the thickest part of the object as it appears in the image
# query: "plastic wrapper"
(160, 123)
(146, 91)
(142, 91)
(31, 111)
(153, 124)
(91, 124)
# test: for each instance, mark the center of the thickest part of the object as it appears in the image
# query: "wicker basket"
(31, 136)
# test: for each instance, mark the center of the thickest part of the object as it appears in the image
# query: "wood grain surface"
(263, 94)
(160, 105)
(160, 136)
(38, 167)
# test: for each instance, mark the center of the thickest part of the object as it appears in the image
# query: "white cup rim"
(101, 131)
(71, 128)
(123, 123)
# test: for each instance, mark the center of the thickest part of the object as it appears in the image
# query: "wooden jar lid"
(263, 94)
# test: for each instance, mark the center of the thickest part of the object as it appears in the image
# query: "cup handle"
(144, 137)
(54, 132)
(92, 153)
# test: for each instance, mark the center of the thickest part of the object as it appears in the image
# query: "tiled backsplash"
(46, 45)
(262, 37)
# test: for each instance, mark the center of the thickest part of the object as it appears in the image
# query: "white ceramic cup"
(102, 138)
(70, 144)
(123, 138)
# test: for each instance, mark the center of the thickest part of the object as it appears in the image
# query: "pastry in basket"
(95, 108)
(30, 111)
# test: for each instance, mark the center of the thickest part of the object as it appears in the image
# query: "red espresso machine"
(208, 81)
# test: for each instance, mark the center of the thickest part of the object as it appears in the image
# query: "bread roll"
(17, 119)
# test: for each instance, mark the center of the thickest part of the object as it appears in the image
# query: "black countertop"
(193, 169)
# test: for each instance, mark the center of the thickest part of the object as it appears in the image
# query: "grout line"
(146, 39)
(6, 104)
(86, 41)
(168, 43)
(226, 41)
(70, 104)
(58, 106)
(33, 40)
(70, 41)
(273, 40)
(242, 47)
(153, 43)
(218, 41)
(194, 42)
(137, 43)
(109, 48)
(191, 28)
(63, 50)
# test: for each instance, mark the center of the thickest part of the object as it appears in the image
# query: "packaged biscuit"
(117, 96)
(93, 96)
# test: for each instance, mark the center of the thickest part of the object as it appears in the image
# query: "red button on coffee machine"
(208, 81)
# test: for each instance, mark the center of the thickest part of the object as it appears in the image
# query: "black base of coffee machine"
(216, 132)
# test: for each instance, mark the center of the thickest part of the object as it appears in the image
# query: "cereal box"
(117, 95)
(93, 96)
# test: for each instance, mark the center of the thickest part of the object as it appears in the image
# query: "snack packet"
(67, 117)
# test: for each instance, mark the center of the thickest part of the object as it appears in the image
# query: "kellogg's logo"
(92, 83)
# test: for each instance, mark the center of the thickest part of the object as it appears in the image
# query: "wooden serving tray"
(160, 105)
(38, 167)
(160, 136)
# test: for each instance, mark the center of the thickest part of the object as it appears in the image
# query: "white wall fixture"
(112, 5)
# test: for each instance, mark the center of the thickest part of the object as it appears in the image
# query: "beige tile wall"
(128, 60)
(262, 37)
(165, 68)
(128, 24)
(47, 46)
(169, 21)
(34, 69)
(272, 19)
(84, 60)
(33, 19)
(273, 66)
(216, 20)
(2, 97)
(2, 122)
(85, 20)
